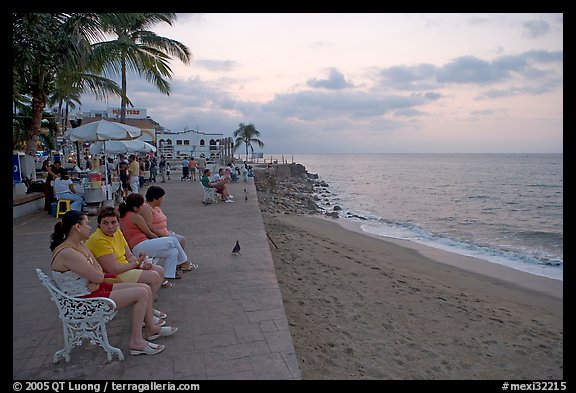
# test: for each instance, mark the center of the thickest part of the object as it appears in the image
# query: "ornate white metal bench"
(82, 319)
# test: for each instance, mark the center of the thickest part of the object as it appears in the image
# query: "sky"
(366, 83)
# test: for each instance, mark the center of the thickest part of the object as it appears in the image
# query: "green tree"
(247, 134)
(139, 50)
(21, 125)
(45, 47)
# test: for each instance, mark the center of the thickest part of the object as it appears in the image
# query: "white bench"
(82, 319)
(210, 195)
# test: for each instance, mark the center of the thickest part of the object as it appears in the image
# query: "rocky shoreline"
(291, 189)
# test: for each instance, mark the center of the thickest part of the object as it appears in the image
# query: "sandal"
(188, 267)
(151, 349)
(160, 314)
(157, 321)
(164, 332)
(167, 284)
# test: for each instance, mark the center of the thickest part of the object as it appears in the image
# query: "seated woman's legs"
(77, 201)
(180, 238)
(153, 277)
(166, 247)
(125, 294)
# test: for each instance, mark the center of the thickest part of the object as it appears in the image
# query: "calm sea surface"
(503, 208)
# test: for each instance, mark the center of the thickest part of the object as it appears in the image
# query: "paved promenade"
(229, 312)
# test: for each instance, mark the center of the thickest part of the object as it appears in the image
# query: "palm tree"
(47, 46)
(138, 50)
(247, 134)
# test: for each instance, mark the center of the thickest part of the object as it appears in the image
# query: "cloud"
(335, 81)
(216, 65)
(318, 106)
(535, 28)
(470, 69)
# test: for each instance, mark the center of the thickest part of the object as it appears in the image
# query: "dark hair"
(133, 201)
(62, 228)
(63, 174)
(107, 211)
(206, 170)
(154, 192)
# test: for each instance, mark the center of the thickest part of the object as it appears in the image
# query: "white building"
(177, 145)
(174, 145)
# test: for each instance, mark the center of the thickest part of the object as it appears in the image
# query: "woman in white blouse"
(64, 189)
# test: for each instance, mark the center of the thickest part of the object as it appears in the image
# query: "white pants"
(167, 247)
(135, 183)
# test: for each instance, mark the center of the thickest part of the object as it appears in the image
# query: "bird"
(236, 249)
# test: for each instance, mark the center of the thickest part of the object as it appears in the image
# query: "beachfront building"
(175, 145)
(134, 116)
(192, 143)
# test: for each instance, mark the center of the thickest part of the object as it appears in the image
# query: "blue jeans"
(77, 200)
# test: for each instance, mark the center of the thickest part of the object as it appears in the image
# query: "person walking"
(185, 169)
(162, 167)
(153, 170)
(134, 173)
(192, 164)
(201, 164)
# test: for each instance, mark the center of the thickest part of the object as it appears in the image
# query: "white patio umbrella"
(103, 130)
(121, 147)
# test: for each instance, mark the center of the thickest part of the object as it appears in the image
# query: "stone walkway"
(229, 312)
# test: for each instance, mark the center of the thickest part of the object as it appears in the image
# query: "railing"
(266, 159)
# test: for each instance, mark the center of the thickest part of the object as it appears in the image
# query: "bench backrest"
(73, 309)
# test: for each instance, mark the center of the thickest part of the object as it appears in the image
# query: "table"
(98, 194)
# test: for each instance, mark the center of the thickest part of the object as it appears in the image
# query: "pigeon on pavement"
(236, 249)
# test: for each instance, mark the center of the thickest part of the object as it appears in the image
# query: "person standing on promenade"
(153, 170)
(123, 174)
(52, 172)
(162, 166)
(134, 173)
(201, 165)
(185, 169)
(192, 164)
(77, 273)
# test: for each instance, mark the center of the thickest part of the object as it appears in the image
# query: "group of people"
(131, 171)
(219, 182)
(191, 166)
(58, 185)
(127, 258)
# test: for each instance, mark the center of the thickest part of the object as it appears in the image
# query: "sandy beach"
(364, 308)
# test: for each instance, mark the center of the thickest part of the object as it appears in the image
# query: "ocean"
(501, 208)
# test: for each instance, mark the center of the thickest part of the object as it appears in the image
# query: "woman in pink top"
(158, 222)
(142, 240)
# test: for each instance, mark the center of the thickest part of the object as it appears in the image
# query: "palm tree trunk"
(123, 101)
(38, 104)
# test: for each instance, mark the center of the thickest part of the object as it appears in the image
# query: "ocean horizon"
(500, 208)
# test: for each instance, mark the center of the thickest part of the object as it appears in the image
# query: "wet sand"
(360, 307)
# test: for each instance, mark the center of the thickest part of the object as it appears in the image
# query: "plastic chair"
(63, 207)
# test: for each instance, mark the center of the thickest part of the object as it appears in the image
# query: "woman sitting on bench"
(77, 273)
